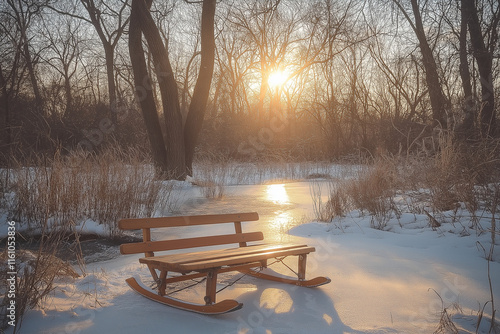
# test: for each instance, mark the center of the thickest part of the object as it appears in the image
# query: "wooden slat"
(241, 259)
(165, 245)
(214, 254)
(172, 264)
(157, 222)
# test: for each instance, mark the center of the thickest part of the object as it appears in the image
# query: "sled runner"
(247, 258)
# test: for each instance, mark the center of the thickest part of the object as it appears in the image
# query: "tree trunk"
(5, 131)
(174, 136)
(32, 75)
(143, 89)
(263, 90)
(201, 91)
(109, 54)
(484, 60)
(177, 146)
(438, 101)
(468, 107)
(109, 42)
(68, 94)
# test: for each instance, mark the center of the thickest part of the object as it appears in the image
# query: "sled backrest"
(148, 247)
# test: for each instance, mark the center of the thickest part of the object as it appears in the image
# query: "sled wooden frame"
(208, 264)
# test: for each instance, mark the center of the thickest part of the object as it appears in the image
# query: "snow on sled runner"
(246, 258)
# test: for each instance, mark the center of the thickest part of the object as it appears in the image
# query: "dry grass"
(212, 177)
(337, 204)
(457, 175)
(371, 191)
(446, 325)
(69, 189)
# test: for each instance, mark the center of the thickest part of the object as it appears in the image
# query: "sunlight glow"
(282, 222)
(277, 78)
(277, 194)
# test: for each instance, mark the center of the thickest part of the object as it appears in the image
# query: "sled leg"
(302, 267)
(211, 289)
(163, 283)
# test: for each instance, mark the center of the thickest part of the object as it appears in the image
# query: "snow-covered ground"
(395, 281)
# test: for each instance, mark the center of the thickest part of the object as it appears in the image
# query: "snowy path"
(382, 282)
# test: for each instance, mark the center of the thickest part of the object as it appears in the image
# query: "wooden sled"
(208, 264)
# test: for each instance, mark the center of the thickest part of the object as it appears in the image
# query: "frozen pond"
(281, 205)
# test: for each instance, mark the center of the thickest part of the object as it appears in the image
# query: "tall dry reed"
(67, 190)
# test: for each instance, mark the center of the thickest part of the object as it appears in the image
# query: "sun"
(277, 78)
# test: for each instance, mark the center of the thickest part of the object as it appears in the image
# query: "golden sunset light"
(277, 79)
(190, 150)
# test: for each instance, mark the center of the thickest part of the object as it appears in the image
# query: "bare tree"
(483, 47)
(5, 114)
(23, 14)
(270, 29)
(404, 82)
(64, 50)
(100, 14)
(173, 150)
(10, 77)
(439, 104)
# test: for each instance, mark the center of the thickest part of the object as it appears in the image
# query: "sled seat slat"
(216, 253)
(215, 260)
(166, 245)
(159, 222)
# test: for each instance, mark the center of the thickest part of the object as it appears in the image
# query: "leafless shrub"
(169, 197)
(320, 211)
(442, 174)
(373, 191)
(337, 204)
(461, 174)
(36, 273)
(457, 175)
(120, 187)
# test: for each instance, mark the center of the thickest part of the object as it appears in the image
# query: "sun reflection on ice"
(277, 194)
(282, 221)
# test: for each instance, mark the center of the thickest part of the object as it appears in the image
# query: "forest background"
(292, 79)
